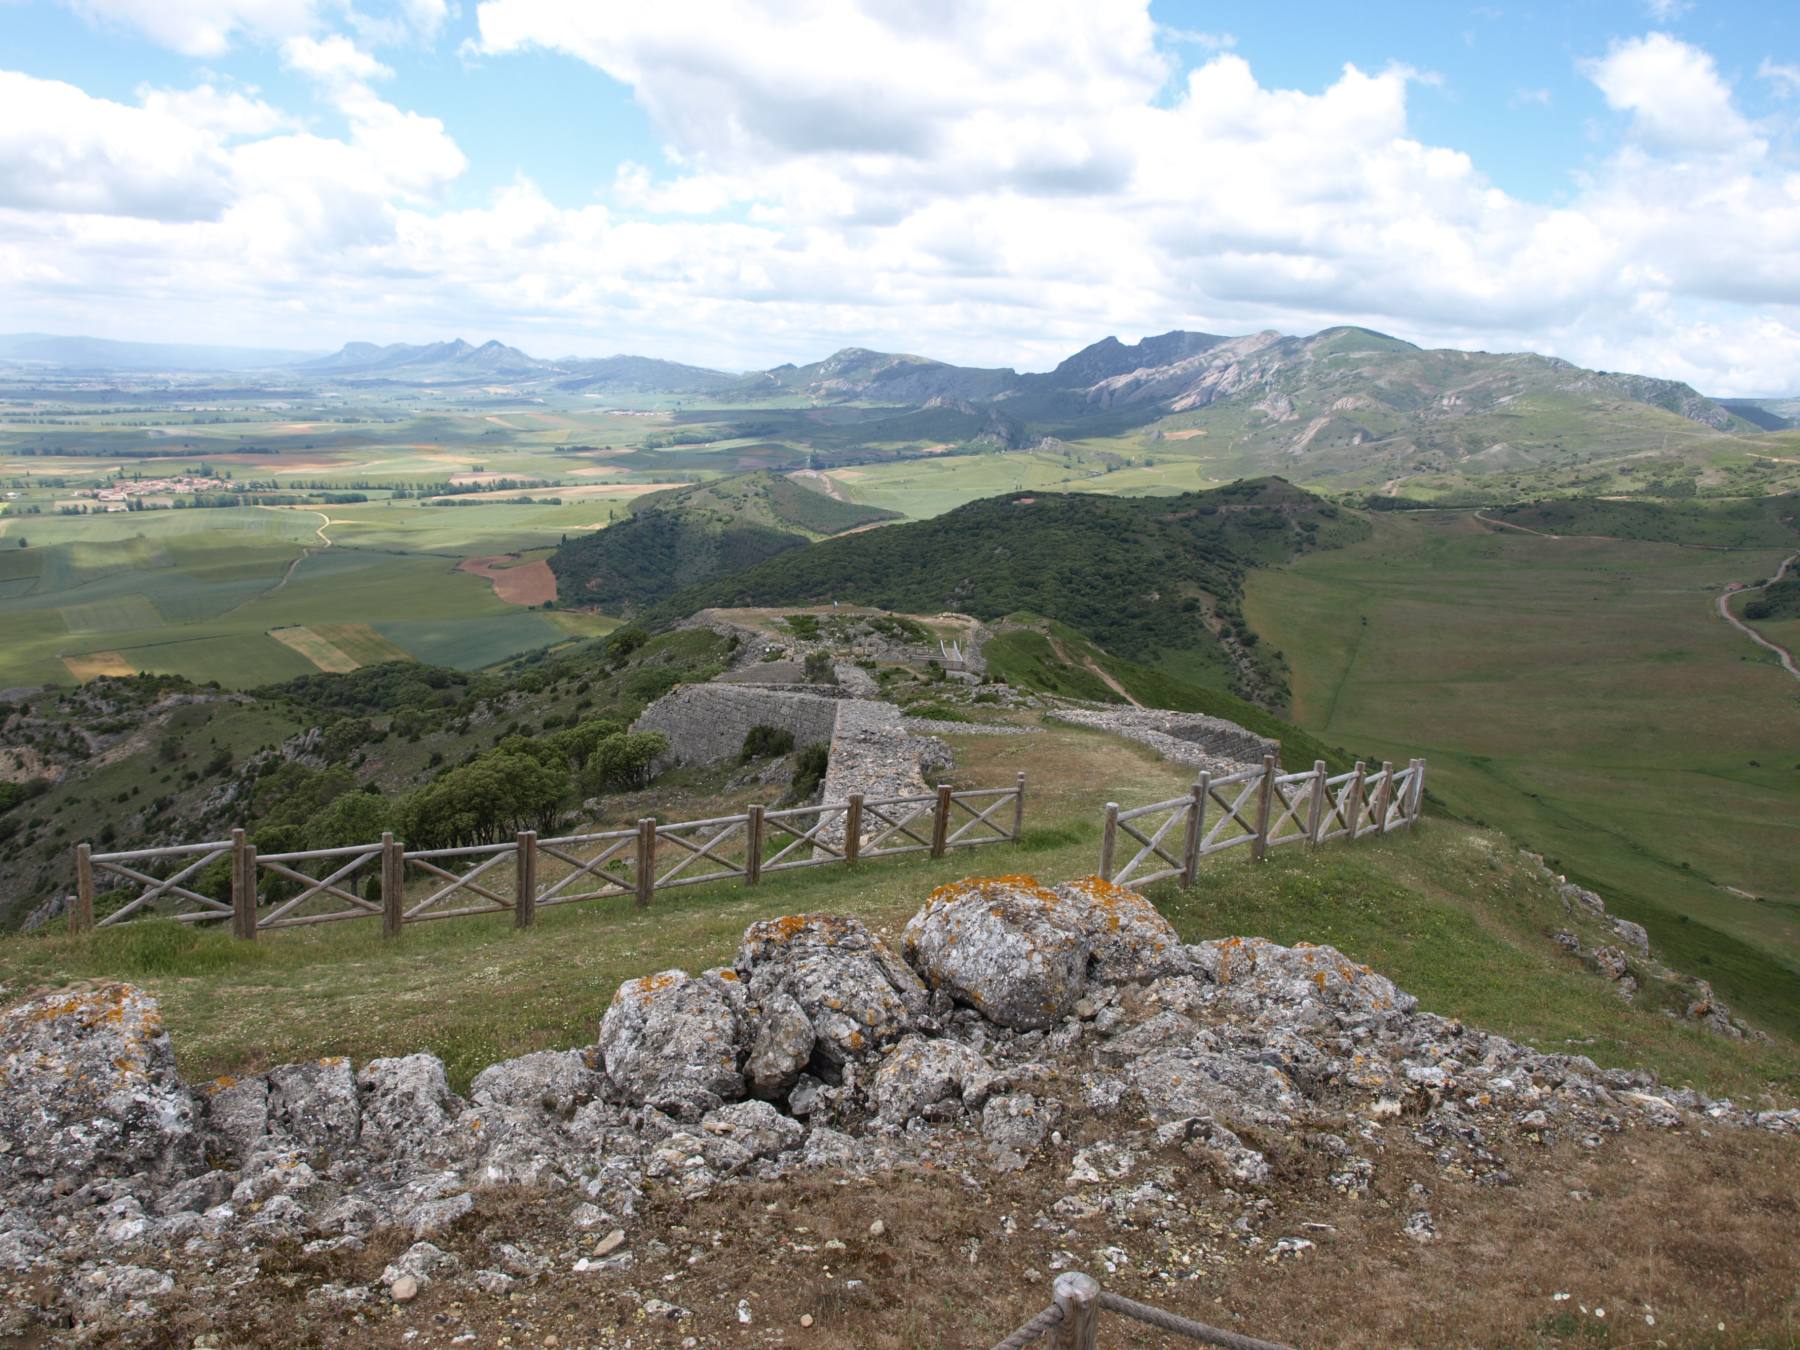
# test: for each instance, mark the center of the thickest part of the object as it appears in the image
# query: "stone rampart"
(706, 723)
(1208, 743)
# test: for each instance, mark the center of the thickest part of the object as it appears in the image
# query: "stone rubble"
(1632, 964)
(1208, 744)
(1011, 1011)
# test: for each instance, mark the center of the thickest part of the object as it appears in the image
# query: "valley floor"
(1583, 695)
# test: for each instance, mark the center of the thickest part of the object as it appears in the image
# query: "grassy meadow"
(1583, 695)
(1443, 910)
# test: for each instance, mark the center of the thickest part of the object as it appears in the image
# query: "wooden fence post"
(646, 861)
(81, 913)
(1019, 811)
(1384, 796)
(393, 885)
(1109, 834)
(1259, 849)
(1418, 792)
(525, 880)
(853, 827)
(940, 823)
(1315, 816)
(1078, 1296)
(1196, 828)
(1354, 815)
(243, 887)
(753, 846)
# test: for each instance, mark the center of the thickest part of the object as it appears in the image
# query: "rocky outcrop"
(1022, 954)
(1631, 966)
(821, 1048)
(88, 1090)
(673, 1042)
(856, 993)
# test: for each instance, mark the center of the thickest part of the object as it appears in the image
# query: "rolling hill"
(691, 535)
(1156, 580)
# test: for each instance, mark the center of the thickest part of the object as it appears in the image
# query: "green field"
(1583, 695)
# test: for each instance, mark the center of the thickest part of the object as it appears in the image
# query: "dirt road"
(1724, 602)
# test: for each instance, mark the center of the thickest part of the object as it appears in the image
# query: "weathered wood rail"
(1258, 809)
(398, 886)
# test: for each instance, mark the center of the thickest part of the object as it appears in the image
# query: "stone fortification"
(1010, 1016)
(1211, 744)
(707, 723)
(871, 749)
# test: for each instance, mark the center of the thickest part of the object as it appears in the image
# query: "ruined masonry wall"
(706, 723)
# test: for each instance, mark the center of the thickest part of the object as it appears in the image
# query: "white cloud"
(1667, 11)
(203, 27)
(332, 60)
(1673, 92)
(224, 112)
(1784, 77)
(61, 150)
(927, 175)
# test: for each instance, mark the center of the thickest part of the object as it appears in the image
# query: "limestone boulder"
(919, 1074)
(314, 1107)
(674, 1042)
(855, 991)
(1129, 942)
(782, 1047)
(408, 1110)
(555, 1082)
(1302, 985)
(1009, 948)
(88, 1090)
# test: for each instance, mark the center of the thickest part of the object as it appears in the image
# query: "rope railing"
(1075, 1318)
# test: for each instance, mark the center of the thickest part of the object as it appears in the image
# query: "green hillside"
(689, 535)
(1154, 580)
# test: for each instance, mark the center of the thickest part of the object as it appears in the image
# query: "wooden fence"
(398, 886)
(1258, 809)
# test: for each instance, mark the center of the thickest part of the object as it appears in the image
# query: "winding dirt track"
(1724, 602)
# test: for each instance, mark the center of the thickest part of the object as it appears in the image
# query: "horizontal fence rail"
(1260, 809)
(397, 886)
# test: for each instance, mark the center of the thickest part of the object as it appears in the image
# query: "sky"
(993, 182)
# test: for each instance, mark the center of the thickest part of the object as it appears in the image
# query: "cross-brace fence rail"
(401, 886)
(1261, 809)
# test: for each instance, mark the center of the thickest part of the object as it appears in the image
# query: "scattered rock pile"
(1011, 1013)
(1630, 965)
(1210, 744)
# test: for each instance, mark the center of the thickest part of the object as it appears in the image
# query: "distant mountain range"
(102, 354)
(1274, 395)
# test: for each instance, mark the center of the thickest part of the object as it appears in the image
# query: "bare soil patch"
(514, 580)
(316, 649)
(1678, 1237)
(1185, 434)
(93, 665)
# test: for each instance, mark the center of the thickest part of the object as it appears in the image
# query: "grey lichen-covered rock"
(755, 1127)
(1128, 940)
(919, 1074)
(88, 1090)
(858, 995)
(556, 1082)
(1006, 946)
(673, 1042)
(313, 1107)
(1302, 984)
(781, 1049)
(1018, 1121)
(407, 1108)
(1199, 1082)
